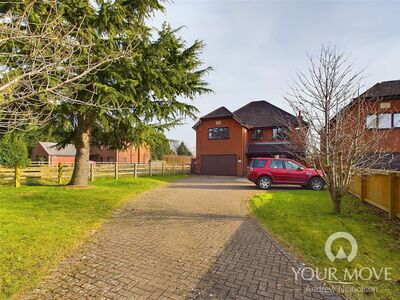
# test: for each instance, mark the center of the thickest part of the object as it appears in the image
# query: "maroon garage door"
(224, 165)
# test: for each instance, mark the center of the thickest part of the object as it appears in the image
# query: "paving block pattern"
(191, 239)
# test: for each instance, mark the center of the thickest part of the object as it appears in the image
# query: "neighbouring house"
(130, 155)
(226, 141)
(47, 152)
(384, 115)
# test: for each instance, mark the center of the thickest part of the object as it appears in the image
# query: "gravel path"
(191, 239)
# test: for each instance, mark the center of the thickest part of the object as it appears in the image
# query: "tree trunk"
(336, 200)
(80, 175)
(337, 206)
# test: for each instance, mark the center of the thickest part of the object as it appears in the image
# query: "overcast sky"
(255, 47)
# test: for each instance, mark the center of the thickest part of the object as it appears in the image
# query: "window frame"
(217, 139)
(254, 132)
(390, 115)
(374, 123)
(277, 136)
(393, 119)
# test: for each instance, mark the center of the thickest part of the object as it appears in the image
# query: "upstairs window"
(257, 134)
(279, 133)
(396, 120)
(385, 121)
(218, 133)
(371, 121)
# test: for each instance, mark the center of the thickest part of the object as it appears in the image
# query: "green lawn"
(302, 220)
(39, 225)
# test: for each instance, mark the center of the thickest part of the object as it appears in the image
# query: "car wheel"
(316, 184)
(264, 182)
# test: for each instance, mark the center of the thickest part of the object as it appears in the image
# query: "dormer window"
(257, 134)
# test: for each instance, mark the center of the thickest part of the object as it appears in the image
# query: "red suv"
(267, 171)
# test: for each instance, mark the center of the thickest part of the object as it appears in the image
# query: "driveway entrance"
(191, 239)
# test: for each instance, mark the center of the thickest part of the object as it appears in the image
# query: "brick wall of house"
(130, 155)
(38, 152)
(234, 145)
(390, 140)
(55, 159)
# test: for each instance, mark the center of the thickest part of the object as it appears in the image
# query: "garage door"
(224, 165)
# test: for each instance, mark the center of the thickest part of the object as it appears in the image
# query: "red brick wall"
(54, 159)
(37, 152)
(390, 138)
(130, 155)
(234, 145)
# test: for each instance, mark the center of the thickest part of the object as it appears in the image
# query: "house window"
(279, 133)
(257, 134)
(371, 121)
(218, 133)
(396, 120)
(385, 121)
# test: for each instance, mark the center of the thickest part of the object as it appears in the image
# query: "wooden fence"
(62, 172)
(380, 190)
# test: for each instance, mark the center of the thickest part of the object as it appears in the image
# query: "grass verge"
(39, 225)
(303, 220)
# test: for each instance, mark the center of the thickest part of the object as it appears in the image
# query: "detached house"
(226, 141)
(384, 116)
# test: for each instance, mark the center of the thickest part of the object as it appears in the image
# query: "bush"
(13, 151)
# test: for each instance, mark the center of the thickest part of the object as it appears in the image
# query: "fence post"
(91, 172)
(173, 168)
(116, 170)
(162, 168)
(183, 168)
(392, 195)
(17, 175)
(363, 190)
(150, 169)
(135, 170)
(60, 173)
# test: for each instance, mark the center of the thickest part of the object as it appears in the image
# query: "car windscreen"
(258, 163)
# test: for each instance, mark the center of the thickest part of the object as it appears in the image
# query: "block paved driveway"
(191, 239)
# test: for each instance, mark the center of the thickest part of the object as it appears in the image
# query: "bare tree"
(338, 140)
(39, 62)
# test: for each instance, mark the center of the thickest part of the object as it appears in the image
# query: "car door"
(277, 170)
(295, 173)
